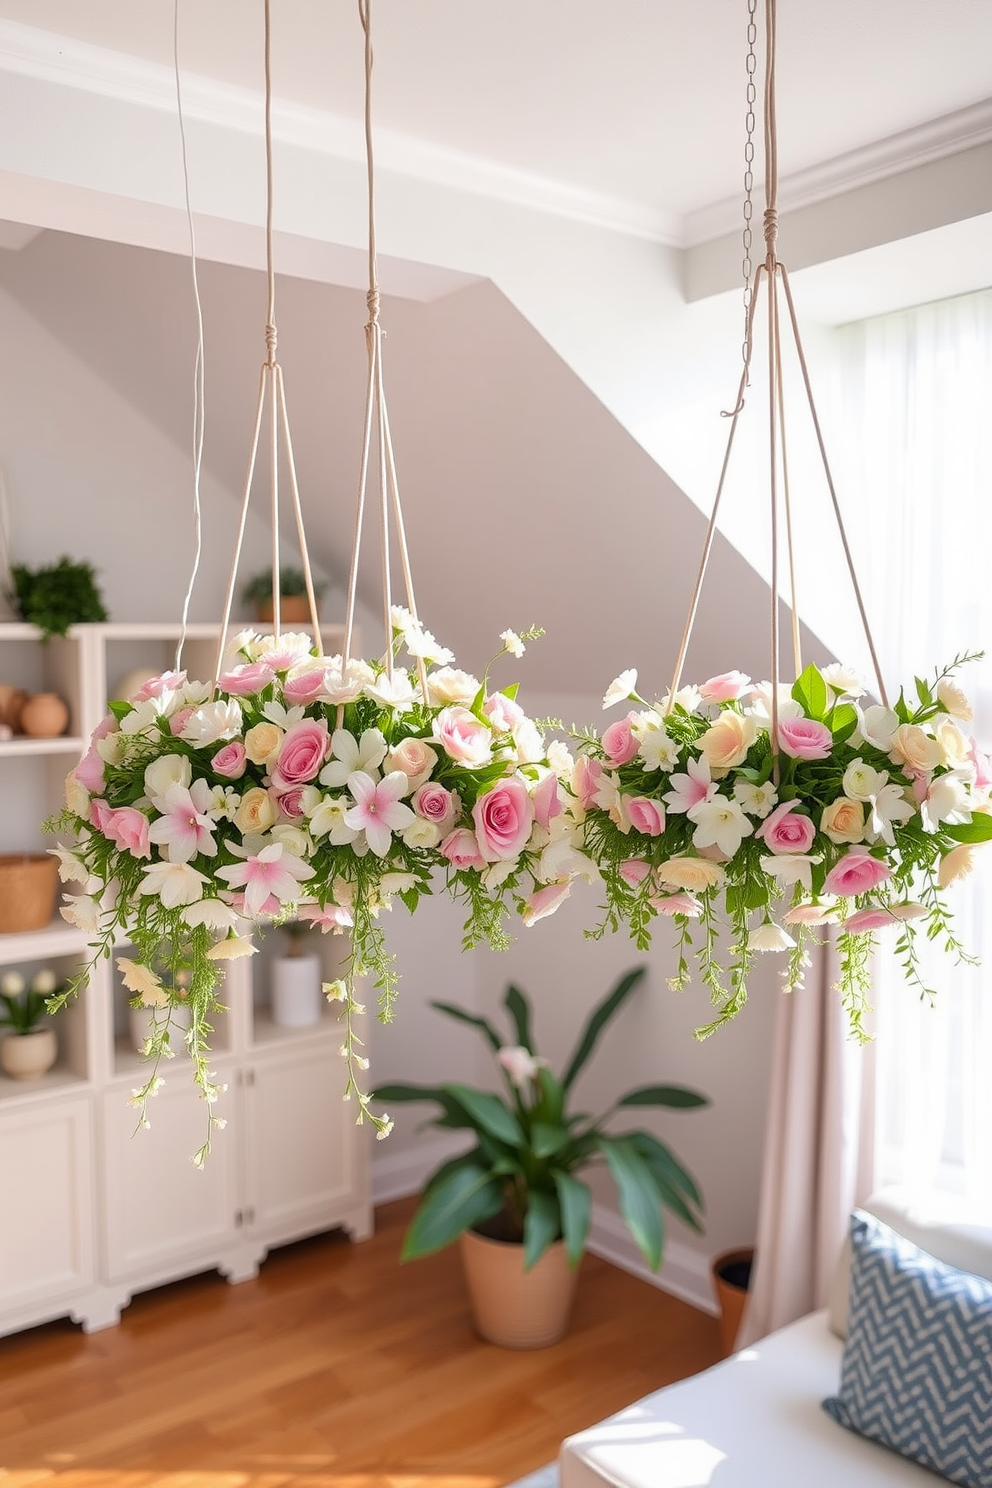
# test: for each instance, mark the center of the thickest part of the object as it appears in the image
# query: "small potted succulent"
(294, 606)
(514, 1200)
(30, 1047)
(57, 596)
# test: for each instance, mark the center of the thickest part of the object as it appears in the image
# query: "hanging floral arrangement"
(301, 787)
(860, 819)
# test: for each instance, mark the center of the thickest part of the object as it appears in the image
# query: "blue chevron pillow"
(917, 1366)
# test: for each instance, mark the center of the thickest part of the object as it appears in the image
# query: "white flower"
(720, 823)
(527, 737)
(844, 680)
(791, 868)
(953, 700)
(877, 725)
(560, 759)
(345, 686)
(231, 948)
(449, 685)
(111, 748)
(688, 698)
(420, 642)
(760, 707)
(12, 984)
(397, 883)
(213, 721)
(143, 718)
(511, 642)
(174, 883)
(889, 806)
(291, 647)
(165, 772)
(282, 716)
(861, 781)
(293, 839)
(396, 692)
(212, 913)
(420, 833)
(520, 1064)
(71, 870)
(328, 820)
(82, 911)
(44, 982)
(655, 746)
(770, 937)
(350, 754)
(946, 800)
(757, 800)
(621, 688)
(498, 873)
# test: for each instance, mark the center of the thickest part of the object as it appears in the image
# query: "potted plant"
(29, 1048)
(294, 606)
(514, 1199)
(53, 598)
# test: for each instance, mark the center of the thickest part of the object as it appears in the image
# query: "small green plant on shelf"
(23, 1006)
(518, 1183)
(53, 598)
(292, 584)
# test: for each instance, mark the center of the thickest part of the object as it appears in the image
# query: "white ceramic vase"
(27, 1056)
(297, 995)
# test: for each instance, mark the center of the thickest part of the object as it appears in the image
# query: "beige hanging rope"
(271, 395)
(376, 424)
(772, 273)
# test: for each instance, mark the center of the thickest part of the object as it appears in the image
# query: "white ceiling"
(640, 101)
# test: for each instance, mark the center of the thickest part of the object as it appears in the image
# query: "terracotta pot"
(26, 1056)
(294, 609)
(513, 1307)
(12, 700)
(28, 886)
(43, 716)
(731, 1274)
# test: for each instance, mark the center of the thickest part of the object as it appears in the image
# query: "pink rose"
(462, 736)
(634, 871)
(547, 802)
(645, 815)
(244, 680)
(304, 687)
(587, 777)
(619, 743)
(290, 802)
(89, 772)
(726, 688)
(545, 901)
(982, 764)
(503, 818)
(869, 919)
(156, 686)
(856, 873)
(180, 719)
(305, 747)
(804, 738)
(414, 759)
(503, 713)
(434, 803)
(785, 831)
(462, 850)
(230, 761)
(127, 827)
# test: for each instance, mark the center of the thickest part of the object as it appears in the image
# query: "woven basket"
(28, 887)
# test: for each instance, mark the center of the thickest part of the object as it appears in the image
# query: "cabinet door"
(47, 1249)
(163, 1215)
(306, 1166)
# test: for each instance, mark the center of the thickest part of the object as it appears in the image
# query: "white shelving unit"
(95, 1210)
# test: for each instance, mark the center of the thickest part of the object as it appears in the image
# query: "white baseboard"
(684, 1272)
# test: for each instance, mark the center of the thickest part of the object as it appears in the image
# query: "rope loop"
(271, 342)
(771, 231)
(372, 301)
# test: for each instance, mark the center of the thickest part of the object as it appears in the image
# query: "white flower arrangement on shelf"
(304, 787)
(861, 819)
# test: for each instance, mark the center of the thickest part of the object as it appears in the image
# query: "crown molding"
(936, 140)
(65, 62)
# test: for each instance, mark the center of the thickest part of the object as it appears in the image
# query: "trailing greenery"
(53, 598)
(521, 1174)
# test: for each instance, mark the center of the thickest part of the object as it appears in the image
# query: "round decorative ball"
(43, 716)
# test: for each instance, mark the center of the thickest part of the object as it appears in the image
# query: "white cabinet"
(93, 1209)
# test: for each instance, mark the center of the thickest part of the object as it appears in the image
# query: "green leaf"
(464, 1196)
(640, 1208)
(600, 1017)
(979, 829)
(551, 1106)
(841, 721)
(463, 1017)
(542, 1225)
(511, 691)
(664, 1162)
(677, 1097)
(516, 1005)
(489, 1113)
(575, 1204)
(546, 1140)
(400, 1092)
(923, 693)
(810, 692)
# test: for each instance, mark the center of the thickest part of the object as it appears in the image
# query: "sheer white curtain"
(914, 440)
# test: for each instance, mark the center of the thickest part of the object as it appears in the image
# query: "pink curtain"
(818, 1153)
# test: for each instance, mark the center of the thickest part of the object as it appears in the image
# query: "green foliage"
(53, 598)
(292, 581)
(529, 1149)
(24, 1012)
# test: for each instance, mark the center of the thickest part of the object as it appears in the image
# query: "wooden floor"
(336, 1368)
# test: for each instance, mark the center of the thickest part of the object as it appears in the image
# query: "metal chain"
(749, 126)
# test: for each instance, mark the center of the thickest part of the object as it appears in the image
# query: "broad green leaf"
(551, 1106)
(463, 1017)
(979, 829)
(471, 1159)
(598, 1020)
(542, 1225)
(923, 693)
(810, 692)
(463, 1198)
(678, 1097)
(640, 1208)
(841, 720)
(489, 1113)
(546, 1140)
(667, 1164)
(519, 1010)
(575, 1203)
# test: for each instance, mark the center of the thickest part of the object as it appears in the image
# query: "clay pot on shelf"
(28, 888)
(294, 609)
(12, 699)
(43, 715)
(27, 1056)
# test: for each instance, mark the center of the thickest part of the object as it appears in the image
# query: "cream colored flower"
(77, 797)
(450, 685)
(843, 820)
(727, 741)
(231, 948)
(912, 746)
(421, 833)
(843, 679)
(111, 748)
(165, 772)
(770, 937)
(257, 811)
(954, 701)
(956, 864)
(82, 911)
(862, 781)
(694, 874)
(953, 742)
(262, 742)
(142, 981)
